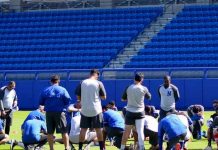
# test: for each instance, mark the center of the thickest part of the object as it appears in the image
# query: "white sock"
(122, 147)
(140, 130)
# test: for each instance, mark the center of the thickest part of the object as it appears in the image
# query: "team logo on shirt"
(169, 93)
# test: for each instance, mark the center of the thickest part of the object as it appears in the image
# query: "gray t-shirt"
(90, 91)
(135, 95)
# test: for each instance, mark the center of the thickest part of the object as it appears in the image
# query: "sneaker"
(13, 144)
(208, 148)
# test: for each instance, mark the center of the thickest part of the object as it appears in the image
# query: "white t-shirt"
(135, 97)
(185, 122)
(9, 98)
(151, 123)
(90, 97)
(75, 126)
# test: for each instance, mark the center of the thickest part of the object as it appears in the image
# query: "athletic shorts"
(91, 122)
(56, 120)
(172, 142)
(153, 136)
(90, 136)
(131, 117)
(2, 136)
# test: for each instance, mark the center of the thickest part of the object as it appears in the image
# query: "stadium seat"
(69, 39)
(189, 40)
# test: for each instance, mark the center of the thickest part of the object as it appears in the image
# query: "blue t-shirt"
(1, 125)
(31, 130)
(114, 119)
(36, 114)
(55, 99)
(172, 126)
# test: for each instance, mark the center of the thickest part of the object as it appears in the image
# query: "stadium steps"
(133, 48)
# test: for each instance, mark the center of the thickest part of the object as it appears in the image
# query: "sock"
(122, 147)
(80, 145)
(101, 145)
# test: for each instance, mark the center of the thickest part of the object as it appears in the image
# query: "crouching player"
(113, 126)
(172, 126)
(195, 112)
(3, 137)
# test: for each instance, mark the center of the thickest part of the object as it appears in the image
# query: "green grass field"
(21, 115)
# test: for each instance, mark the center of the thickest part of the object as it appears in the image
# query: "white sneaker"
(208, 148)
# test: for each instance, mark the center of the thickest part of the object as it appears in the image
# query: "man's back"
(114, 119)
(172, 126)
(135, 97)
(75, 126)
(36, 114)
(151, 123)
(31, 130)
(55, 98)
(90, 97)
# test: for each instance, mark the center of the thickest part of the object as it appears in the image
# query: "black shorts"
(172, 142)
(91, 122)
(153, 136)
(130, 117)
(56, 120)
(2, 136)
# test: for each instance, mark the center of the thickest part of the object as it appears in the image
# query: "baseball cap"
(215, 101)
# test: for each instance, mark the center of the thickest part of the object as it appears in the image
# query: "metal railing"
(111, 74)
(30, 5)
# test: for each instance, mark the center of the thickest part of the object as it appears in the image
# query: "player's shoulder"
(173, 86)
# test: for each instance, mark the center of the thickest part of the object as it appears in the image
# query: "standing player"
(56, 100)
(90, 92)
(212, 123)
(169, 95)
(8, 101)
(134, 95)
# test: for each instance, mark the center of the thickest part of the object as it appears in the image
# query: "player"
(212, 123)
(113, 126)
(195, 112)
(169, 95)
(134, 95)
(174, 128)
(90, 92)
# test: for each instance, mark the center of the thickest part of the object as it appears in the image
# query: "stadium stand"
(189, 40)
(69, 39)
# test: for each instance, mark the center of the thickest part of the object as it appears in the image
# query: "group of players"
(87, 121)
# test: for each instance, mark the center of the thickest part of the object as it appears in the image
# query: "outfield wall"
(192, 90)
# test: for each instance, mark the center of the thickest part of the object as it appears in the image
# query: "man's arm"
(15, 100)
(42, 99)
(147, 94)
(159, 92)
(176, 93)
(78, 91)
(43, 128)
(66, 98)
(124, 97)
(102, 91)
(71, 108)
(160, 135)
